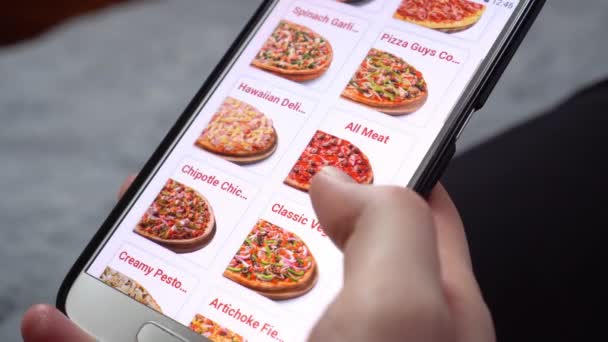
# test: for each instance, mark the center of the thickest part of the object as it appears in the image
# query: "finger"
(125, 185)
(45, 323)
(391, 267)
(452, 241)
(337, 217)
(395, 221)
(453, 249)
(471, 316)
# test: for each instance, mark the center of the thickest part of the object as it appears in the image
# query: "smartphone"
(217, 239)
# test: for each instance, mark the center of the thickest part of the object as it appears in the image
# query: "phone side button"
(464, 125)
(152, 332)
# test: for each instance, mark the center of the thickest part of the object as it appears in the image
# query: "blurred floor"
(84, 105)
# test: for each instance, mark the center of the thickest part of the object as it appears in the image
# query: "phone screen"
(224, 239)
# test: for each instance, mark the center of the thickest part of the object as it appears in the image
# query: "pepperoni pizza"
(327, 150)
(442, 15)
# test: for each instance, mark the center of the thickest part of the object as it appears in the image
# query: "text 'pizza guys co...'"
(420, 48)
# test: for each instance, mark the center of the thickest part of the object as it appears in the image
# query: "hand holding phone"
(218, 235)
(416, 283)
(426, 241)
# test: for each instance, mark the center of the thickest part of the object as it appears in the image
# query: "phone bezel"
(126, 315)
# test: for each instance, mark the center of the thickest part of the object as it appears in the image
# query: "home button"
(152, 332)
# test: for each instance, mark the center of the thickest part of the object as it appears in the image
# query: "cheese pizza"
(387, 83)
(295, 52)
(240, 133)
(327, 150)
(180, 219)
(129, 287)
(442, 15)
(213, 331)
(274, 262)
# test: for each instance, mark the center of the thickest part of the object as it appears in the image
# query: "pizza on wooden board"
(213, 331)
(129, 287)
(295, 52)
(443, 15)
(179, 218)
(240, 133)
(323, 150)
(274, 262)
(388, 84)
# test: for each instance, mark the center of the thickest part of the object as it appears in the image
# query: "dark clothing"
(534, 204)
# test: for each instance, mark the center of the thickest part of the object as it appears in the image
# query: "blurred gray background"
(84, 105)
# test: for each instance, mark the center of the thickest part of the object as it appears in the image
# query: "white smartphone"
(216, 239)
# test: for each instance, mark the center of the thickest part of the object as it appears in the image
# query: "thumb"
(329, 189)
(391, 266)
(376, 224)
(44, 323)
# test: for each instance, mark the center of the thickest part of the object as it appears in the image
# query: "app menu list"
(224, 236)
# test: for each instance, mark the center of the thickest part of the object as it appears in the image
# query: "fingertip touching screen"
(224, 239)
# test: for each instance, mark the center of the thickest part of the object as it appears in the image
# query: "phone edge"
(444, 148)
(433, 168)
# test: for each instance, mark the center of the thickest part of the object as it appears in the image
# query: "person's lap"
(533, 203)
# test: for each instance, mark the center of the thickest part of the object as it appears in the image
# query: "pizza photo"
(129, 287)
(240, 133)
(213, 331)
(295, 52)
(387, 83)
(273, 262)
(323, 150)
(448, 16)
(180, 219)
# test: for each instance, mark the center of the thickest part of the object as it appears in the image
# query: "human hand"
(407, 270)
(421, 286)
